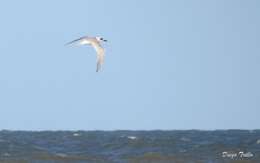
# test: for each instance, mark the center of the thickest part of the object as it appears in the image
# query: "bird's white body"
(84, 42)
(95, 42)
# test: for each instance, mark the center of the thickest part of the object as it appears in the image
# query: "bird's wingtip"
(69, 43)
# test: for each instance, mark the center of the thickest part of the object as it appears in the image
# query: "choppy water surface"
(191, 146)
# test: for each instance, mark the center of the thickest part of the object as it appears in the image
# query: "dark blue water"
(191, 146)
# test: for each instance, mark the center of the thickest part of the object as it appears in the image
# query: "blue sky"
(169, 65)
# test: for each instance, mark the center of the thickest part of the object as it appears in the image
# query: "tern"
(95, 42)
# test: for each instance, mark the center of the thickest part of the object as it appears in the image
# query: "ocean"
(176, 146)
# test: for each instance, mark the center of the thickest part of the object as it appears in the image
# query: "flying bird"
(95, 42)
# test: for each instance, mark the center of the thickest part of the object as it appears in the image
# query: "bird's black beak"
(105, 40)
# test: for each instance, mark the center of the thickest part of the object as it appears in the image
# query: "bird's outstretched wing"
(71, 42)
(100, 54)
